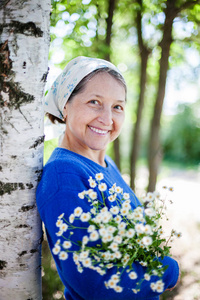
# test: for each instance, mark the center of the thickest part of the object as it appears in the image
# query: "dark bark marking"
(15, 95)
(28, 29)
(37, 142)
(7, 188)
(25, 208)
(22, 226)
(33, 250)
(44, 76)
(22, 253)
(3, 264)
(1, 169)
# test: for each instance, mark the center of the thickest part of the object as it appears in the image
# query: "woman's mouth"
(100, 131)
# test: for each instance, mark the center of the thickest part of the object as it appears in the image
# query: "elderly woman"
(90, 97)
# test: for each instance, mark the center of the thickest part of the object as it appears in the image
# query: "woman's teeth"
(98, 130)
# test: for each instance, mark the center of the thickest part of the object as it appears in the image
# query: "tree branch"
(188, 4)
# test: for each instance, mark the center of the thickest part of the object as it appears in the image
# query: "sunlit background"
(80, 28)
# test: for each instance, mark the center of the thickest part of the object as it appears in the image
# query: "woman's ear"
(65, 112)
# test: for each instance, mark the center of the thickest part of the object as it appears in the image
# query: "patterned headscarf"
(65, 83)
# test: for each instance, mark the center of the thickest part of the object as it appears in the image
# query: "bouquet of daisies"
(122, 235)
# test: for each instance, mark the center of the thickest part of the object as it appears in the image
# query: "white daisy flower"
(91, 228)
(104, 209)
(115, 277)
(135, 291)
(143, 263)
(139, 228)
(126, 204)
(114, 210)
(75, 258)
(59, 223)
(102, 187)
(150, 212)
(156, 194)
(56, 249)
(124, 211)
(71, 218)
(92, 183)
(93, 195)
(111, 229)
(178, 234)
(81, 195)
(112, 189)
(126, 196)
(59, 233)
(118, 239)
(111, 283)
(118, 254)
(87, 262)
(122, 225)
(63, 255)
(103, 231)
(94, 236)
(99, 176)
(61, 216)
(118, 289)
(118, 219)
(137, 216)
(122, 232)
(150, 196)
(109, 237)
(67, 244)
(84, 255)
(118, 189)
(64, 227)
(85, 240)
(130, 233)
(114, 246)
(147, 229)
(93, 211)
(85, 217)
(112, 198)
(78, 211)
(106, 217)
(147, 277)
(153, 286)
(133, 275)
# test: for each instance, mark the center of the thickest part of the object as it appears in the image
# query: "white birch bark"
(24, 43)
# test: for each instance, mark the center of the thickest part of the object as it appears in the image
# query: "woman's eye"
(118, 107)
(93, 101)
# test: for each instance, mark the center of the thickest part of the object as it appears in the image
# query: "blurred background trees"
(155, 44)
(145, 39)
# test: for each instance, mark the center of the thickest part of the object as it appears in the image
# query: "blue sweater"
(64, 176)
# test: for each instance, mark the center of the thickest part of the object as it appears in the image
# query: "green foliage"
(182, 137)
(49, 146)
(52, 287)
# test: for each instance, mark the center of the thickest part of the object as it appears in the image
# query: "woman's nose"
(106, 117)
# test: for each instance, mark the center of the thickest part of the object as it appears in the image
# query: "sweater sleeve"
(57, 194)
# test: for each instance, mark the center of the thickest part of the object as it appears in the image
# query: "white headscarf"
(65, 83)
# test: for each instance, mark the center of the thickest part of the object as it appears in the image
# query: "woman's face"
(95, 116)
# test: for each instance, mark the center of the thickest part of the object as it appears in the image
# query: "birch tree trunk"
(24, 43)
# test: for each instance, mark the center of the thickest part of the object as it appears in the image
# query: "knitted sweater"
(64, 176)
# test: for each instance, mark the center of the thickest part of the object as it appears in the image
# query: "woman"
(90, 96)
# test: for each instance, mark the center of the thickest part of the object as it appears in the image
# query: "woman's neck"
(94, 155)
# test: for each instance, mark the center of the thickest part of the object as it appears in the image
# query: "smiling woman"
(89, 97)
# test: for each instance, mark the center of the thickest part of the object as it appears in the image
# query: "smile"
(98, 130)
